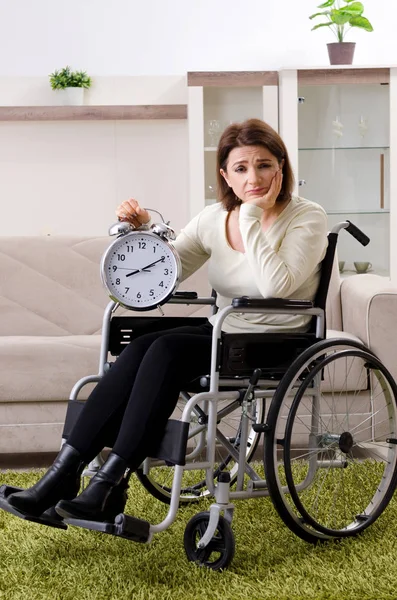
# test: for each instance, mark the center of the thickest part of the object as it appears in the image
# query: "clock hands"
(153, 263)
(144, 269)
(137, 271)
(133, 273)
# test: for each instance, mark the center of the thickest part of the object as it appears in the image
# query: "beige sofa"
(51, 310)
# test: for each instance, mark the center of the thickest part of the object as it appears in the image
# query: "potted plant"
(70, 85)
(340, 19)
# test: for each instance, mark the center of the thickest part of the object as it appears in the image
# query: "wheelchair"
(322, 412)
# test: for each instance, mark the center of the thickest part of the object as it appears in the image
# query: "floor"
(25, 462)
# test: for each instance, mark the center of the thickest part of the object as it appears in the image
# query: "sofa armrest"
(369, 311)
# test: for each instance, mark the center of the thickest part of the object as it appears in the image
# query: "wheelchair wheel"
(331, 455)
(159, 479)
(219, 553)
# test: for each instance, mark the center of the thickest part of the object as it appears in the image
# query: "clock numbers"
(140, 270)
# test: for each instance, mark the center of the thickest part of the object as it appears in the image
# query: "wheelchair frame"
(329, 450)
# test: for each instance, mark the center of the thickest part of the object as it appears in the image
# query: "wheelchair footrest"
(124, 526)
(49, 517)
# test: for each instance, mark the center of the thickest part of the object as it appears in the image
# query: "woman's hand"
(130, 211)
(269, 199)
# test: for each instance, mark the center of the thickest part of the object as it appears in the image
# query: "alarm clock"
(141, 269)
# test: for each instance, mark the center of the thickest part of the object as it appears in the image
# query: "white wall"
(154, 37)
(67, 178)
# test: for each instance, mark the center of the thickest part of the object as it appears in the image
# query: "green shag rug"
(38, 562)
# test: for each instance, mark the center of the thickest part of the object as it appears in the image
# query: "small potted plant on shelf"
(340, 19)
(70, 85)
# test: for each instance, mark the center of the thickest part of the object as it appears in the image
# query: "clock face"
(140, 270)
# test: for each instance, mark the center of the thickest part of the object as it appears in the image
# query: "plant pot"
(341, 53)
(71, 96)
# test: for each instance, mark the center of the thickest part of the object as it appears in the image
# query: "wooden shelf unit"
(93, 113)
(232, 78)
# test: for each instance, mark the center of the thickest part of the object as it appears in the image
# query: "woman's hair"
(252, 132)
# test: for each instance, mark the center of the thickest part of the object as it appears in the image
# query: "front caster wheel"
(218, 554)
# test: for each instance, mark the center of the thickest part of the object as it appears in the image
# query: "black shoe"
(52, 514)
(103, 498)
(62, 480)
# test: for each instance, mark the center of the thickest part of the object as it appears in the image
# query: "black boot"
(103, 498)
(62, 480)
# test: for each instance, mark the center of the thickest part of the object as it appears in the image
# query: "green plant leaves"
(343, 15)
(322, 25)
(340, 18)
(356, 8)
(327, 4)
(325, 13)
(63, 78)
(361, 22)
(350, 13)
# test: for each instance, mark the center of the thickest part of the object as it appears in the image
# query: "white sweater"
(282, 262)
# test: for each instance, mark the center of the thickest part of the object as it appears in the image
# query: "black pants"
(131, 404)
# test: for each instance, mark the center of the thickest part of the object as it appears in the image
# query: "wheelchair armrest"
(190, 298)
(246, 302)
(186, 295)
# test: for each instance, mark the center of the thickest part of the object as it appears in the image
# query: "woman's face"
(250, 170)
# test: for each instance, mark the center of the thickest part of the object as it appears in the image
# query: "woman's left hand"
(269, 199)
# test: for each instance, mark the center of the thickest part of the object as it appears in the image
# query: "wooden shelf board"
(341, 75)
(93, 113)
(232, 78)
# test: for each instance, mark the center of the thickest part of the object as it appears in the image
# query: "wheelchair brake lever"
(255, 377)
(251, 385)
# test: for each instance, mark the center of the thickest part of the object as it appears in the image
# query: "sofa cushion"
(45, 368)
(31, 427)
(51, 285)
(343, 376)
(345, 335)
(370, 311)
(52, 304)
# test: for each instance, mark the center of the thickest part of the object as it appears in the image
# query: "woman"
(260, 241)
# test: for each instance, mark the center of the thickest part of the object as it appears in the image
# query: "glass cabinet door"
(223, 106)
(344, 164)
(216, 99)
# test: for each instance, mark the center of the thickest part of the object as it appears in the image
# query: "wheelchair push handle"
(357, 233)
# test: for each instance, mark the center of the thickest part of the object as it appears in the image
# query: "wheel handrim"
(275, 441)
(349, 467)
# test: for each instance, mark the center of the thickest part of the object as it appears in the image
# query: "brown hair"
(252, 132)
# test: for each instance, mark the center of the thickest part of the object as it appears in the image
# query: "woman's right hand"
(130, 211)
